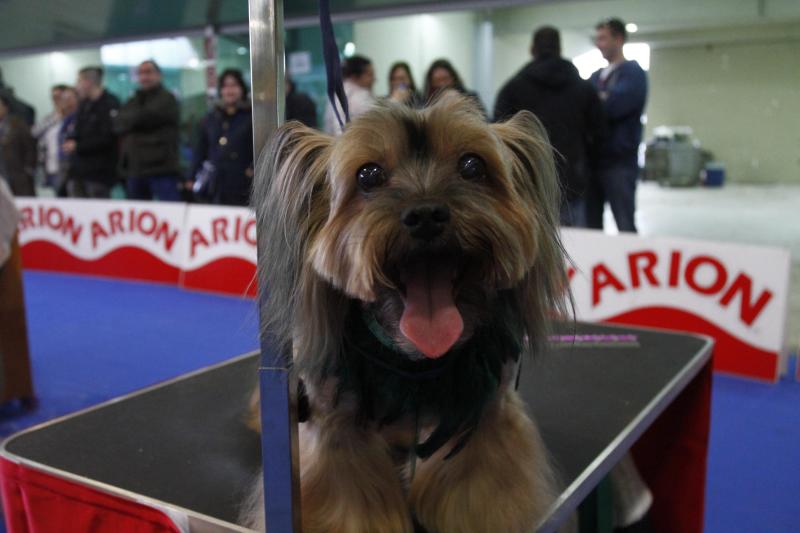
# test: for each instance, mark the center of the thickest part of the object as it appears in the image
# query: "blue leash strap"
(333, 68)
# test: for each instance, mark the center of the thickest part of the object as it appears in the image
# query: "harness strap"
(333, 68)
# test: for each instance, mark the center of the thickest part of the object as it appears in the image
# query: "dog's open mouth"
(430, 320)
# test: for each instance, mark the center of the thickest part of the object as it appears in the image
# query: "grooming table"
(176, 456)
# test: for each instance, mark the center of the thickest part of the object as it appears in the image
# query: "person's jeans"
(164, 188)
(573, 213)
(617, 186)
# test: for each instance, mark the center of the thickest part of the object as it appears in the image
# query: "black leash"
(333, 68)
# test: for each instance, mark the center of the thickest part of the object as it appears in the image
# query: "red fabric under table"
(671, 457)
(36, 502)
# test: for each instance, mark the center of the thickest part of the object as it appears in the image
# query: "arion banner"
(221, 250)
(735, 293)
(133, 240)
(195, 246)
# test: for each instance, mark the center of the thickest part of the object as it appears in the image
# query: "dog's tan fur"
(500, 477)
(324, 244)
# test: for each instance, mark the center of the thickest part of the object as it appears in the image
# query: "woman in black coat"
(222, 166)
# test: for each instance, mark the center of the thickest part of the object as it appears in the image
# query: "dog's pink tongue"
(431, 320)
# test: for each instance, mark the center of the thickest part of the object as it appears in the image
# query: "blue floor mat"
(754, 457)
(94, 339)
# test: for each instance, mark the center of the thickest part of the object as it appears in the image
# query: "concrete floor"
(751, 214)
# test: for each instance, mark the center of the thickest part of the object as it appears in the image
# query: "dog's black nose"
(426, 221)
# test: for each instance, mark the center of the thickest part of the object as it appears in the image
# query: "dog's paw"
(357, 516)
(500, 481)
(349, 485)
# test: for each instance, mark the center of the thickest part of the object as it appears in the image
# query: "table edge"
(160, 505)
(577, 491)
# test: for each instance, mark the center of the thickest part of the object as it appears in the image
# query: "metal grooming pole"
(278, 419)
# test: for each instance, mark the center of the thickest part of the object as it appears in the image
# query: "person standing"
(16, 106)
(69, 107)
(17, 151)
(442, 76)
(46, 134)
(402, 88)
(92, 143)
(570, 110)
(299, 106)
(222, 166)
(622, 87)
(148, 123)
(359, 77)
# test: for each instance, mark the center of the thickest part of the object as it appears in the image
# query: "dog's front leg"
(349, 483)
(499, 481)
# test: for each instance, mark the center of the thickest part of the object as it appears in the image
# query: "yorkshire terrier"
(410, 263)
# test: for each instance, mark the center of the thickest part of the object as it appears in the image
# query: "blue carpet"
(92, 340)
(754, 457)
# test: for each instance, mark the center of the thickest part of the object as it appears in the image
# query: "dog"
(408, 265)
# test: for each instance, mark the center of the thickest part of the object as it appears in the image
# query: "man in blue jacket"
(622, 87)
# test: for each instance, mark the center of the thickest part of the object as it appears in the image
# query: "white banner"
(90, 229)
(737, 289)
(139, 240)
(220, 252)
(219, 232)
(735, 293)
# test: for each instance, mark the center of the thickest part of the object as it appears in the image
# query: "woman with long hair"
(402, 88)
(442, 76)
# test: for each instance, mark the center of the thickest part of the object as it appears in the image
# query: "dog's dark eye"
(370, 176)
(471, 167)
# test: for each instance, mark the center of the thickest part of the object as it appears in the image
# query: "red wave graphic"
(229, 275)
(126, 262)
(731, 354)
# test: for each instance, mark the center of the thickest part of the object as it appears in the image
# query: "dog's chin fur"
(329, 250)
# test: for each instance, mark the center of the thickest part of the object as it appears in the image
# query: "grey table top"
(182, 443)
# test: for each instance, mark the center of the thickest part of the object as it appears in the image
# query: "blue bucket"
(715, 175)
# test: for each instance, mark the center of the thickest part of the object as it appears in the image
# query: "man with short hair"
(622, 87)
(149, 123)
(91, 145)
(550, 87)
(359, 77)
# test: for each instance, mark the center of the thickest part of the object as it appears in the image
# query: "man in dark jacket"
(299, 106)
(149, 123)
(570, 110)
(18, 108)
(17, 151)
(622, 87)
(91, 143)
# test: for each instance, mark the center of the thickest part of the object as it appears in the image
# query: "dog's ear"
(291, 201)
(534, 171)
(544, 292)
